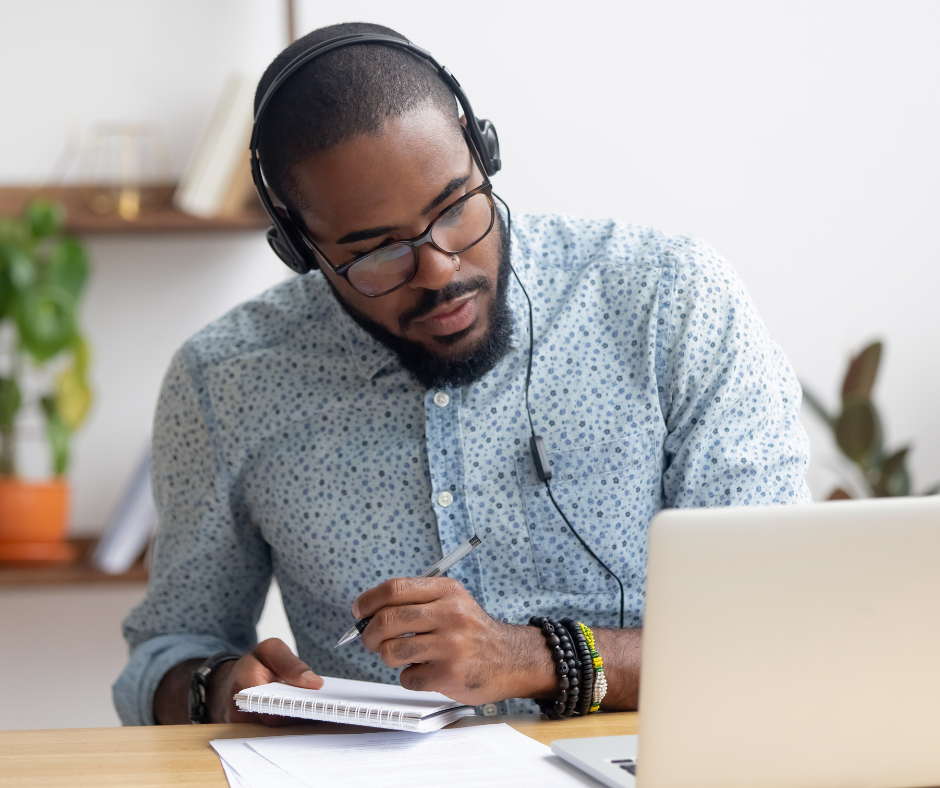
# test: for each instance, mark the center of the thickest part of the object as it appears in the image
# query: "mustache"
(431, 299)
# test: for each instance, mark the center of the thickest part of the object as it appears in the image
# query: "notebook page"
(365, 693)
(483, 756)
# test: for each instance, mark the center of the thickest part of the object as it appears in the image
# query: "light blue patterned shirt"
(288, 441)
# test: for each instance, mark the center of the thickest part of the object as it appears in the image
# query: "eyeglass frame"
(419, 240)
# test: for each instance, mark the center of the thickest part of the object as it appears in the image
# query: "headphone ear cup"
(490, 146)
(289, 249)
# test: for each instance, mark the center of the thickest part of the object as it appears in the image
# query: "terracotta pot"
(34, 520)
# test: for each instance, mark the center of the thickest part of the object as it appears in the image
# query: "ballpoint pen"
(437, 569)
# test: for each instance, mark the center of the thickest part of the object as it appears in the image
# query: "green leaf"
(68, 266)
(82, 353)
(860, 377)
(6, 286)
(857, 430)
(10, 401)
(894, 479)
(12, 230)
(46, 319)
(72, 398)
(58, 435)
(44, 217)
(22, 270)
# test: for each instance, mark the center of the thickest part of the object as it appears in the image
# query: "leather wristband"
(199, 686)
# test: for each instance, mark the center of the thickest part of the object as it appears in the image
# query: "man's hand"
(457, 649)
(269, 661)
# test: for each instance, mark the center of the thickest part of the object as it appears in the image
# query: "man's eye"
(453, 214)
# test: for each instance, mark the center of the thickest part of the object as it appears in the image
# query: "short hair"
(347, 92)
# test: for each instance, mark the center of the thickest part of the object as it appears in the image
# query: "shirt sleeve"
(730, 399)
(210, 567)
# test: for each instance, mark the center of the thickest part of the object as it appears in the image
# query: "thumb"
(277, 657)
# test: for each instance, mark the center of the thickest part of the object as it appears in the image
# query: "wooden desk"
(180, 756)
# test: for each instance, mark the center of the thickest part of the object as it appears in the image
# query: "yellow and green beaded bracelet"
(600, 680)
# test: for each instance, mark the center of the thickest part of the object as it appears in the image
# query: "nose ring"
(456, 261)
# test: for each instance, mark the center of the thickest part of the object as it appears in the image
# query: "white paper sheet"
(248, 768)
(231, 775)
(484, 756)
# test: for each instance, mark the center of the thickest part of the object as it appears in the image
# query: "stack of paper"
(488, 756)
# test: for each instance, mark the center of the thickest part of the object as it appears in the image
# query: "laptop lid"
(793, 646)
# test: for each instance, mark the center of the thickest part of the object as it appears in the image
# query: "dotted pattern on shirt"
(288, 440)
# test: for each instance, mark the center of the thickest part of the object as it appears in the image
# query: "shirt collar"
(367, 354)
(518, 307)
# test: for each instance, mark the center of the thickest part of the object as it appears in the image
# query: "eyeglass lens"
(454, 231)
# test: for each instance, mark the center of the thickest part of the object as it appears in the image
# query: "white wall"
(800, 139)
(68, 66)
(64, 660)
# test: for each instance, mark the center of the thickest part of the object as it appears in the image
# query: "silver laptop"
(786, 646)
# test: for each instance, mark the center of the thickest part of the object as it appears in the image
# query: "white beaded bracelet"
(600, 687)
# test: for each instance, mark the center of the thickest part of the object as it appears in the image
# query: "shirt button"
(445, 498)
(490, 710)
(441, 399)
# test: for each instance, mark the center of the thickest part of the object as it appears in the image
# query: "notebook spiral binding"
(327, 711)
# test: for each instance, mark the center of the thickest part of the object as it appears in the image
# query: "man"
(351, 425)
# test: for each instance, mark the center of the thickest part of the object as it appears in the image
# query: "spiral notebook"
(356, 703)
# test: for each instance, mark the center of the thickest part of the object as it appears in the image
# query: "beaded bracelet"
(600, 680)
(567, 668)
(587, 665)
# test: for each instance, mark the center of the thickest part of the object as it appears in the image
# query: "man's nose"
(435, 269)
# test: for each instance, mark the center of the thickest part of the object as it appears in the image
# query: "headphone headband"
(283, 237)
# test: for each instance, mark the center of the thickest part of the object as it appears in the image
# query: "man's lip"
(445, 309)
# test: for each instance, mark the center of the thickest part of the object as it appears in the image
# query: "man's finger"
(275, 655)
(399, 652)
(393, 622)
(403, 591)
(424, 677)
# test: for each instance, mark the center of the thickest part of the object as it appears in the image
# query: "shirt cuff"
(134, 690)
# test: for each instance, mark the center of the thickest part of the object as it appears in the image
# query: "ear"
(463, 121)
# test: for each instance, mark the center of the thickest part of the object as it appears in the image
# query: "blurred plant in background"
(858, 432)
(42, 274)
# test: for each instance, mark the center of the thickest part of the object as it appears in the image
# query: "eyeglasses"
(462, 226)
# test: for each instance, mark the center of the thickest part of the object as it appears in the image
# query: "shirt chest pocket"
(607, 492)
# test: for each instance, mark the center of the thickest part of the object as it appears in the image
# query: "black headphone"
(284, 237)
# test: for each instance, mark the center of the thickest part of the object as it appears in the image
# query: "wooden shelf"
(163, 219)
(79, 572)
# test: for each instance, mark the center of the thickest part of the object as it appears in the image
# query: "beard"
(431, 370)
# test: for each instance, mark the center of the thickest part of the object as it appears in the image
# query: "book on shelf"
(356, 703)
(132, 524)
(217, 179)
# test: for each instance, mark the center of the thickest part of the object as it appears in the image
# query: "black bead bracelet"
(587, 665)
(567, 668)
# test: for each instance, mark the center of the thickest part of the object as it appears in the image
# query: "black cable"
(528, 412)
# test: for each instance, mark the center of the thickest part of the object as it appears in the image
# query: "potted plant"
(44, 363)
(879, 472)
